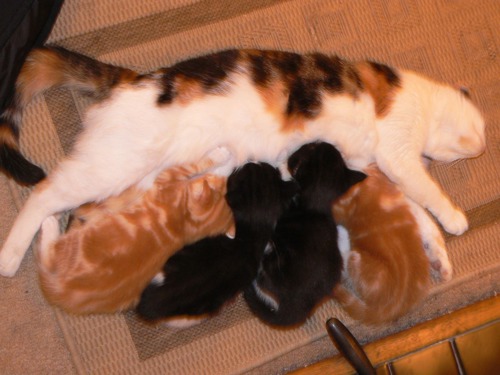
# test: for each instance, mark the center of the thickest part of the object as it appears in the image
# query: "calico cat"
(303, 263)
(263, 104)
(387, 271)
(199, 279)
(112, 249)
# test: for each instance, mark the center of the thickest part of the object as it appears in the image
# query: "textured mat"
(453, 41)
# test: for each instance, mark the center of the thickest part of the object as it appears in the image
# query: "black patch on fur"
(332, 67)
(306, 263)
(287, 63)
(390, 75)
(208, 70)
(260, 67)
(202, 277)
(304, 98)
(15, 165)
(167, 84)
(106, 76)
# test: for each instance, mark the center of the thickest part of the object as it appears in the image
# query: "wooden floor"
(464, 342)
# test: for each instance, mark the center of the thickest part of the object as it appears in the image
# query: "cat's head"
(321, 174)
(258, 196)
(458, 129)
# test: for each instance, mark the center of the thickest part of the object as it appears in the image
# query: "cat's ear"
(355, 177)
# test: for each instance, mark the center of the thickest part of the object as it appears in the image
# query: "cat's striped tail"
(43, 69)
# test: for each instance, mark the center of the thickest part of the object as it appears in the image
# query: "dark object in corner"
(24, 24)
(347, 344)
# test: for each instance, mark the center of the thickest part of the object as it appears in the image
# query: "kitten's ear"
(355, 177)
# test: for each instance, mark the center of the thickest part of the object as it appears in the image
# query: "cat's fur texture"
(386, 270)
(303, 264)
(263, 104)
(199, 279)
(112, 249)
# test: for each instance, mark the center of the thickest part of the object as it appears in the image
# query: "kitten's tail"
(43, 69)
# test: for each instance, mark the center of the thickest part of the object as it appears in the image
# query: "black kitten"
(201, 277)
(302, 264)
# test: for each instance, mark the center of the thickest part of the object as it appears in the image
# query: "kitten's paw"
(343, 240)
(184, 322)
(158, 280)
(435, 249)
(9, 263)
(455, 224)
(224, 161)
(444, 269)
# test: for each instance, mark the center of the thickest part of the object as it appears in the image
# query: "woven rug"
(453, 41)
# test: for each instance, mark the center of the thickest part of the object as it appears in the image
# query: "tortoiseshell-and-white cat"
(386, 270)
(112, 249)
(261, 104)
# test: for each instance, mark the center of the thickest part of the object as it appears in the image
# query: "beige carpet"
(453, 41)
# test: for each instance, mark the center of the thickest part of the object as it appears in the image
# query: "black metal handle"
(347, 344)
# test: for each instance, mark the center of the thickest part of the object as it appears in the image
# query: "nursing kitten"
(302, 265)
(263, 104)
(199, 279)
(387, 271)
(112, 249)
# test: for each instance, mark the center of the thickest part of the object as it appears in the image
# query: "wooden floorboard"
(415, 338)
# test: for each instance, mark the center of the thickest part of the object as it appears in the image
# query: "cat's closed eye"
(465, 90)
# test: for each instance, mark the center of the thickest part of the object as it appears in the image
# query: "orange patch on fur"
(187, 90)
(379, 88)
(42, 69)
(7, 137)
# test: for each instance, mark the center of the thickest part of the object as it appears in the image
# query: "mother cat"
(261, 104)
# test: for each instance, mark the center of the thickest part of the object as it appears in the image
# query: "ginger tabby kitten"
(387, 271)
(113, 249)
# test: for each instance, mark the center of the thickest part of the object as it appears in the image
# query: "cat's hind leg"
(41, 204)
(68, 187)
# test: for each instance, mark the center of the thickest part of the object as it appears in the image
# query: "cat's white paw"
(9, 262)
(456, 223)
(49, 232)
(220, 155)
(224, 161)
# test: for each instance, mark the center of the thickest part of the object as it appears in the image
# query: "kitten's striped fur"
(113, 249)
(386, 268)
